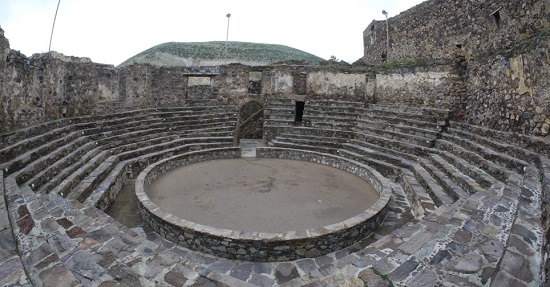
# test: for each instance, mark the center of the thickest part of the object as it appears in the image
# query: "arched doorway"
(251, 119)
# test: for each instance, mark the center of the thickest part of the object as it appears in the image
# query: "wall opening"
(496, 17)
(299, 111)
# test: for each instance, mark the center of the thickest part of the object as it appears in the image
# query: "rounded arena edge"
(263, 246)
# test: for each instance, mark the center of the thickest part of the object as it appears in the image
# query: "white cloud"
(112, 31)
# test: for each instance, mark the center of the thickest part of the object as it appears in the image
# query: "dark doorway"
(299, 111)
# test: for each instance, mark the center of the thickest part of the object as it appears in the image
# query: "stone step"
(505, 160)
(439, 113)
(30, 145)
(309, 141)
(80, 171)
(400, 146)
(197, 113)
(332, 124)
(386, 169)
(498, 145)
(335, 104)
(330, 139)
(42, 137)
(402, 115)
(451, 188)
(302, 146)
(198, 117)
(484, 179)
(377, 154)
(436, 192)
(467, 183)
(11, 265)
(420, 200)
(385, 150)
(332, 112)
(33, 154)
(46, 174)
(280, 114)
(271, 131)
(279, 102)
(401, 128)
(371, 118)
(499, 172)
(104, 193)
(65, 173)
(33, 168)
(279, 111)
(279, 122)
(86, 185)
(399, 136)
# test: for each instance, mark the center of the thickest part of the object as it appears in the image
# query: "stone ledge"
(263, 246)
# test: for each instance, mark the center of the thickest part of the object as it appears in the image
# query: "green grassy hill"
(212, 54)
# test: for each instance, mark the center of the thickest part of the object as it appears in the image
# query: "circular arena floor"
(261, 195)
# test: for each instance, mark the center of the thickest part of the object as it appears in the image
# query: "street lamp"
(227, 36)
(387, 36)
(55, 17)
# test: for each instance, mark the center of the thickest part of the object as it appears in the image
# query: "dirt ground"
(262, 195)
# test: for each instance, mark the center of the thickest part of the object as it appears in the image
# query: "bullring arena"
(445, 136)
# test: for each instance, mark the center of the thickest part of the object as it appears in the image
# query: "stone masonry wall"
(432, 29)
(504, 49)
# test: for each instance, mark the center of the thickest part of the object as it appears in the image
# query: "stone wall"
(503, 47)
(263, 246)
(434, 28)
(437, 86)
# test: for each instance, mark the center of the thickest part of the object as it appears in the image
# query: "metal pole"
(55, 17)
(387, 36)
(227, 36)
(387, 39)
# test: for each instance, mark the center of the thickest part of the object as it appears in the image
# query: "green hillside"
(213, 53)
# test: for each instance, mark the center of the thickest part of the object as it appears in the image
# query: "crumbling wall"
(511, 92)
(503, 46)
(337, 85)
(438, 86)
(432, 29)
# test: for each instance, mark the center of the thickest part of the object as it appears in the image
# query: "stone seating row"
(73, 161)
(41, 255)
(146, 118)
(62, 242)
(474, 168)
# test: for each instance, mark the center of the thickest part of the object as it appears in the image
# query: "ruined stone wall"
(337, 85)
(438, 86)
(504, 47)
(511, 93)
(434, 28)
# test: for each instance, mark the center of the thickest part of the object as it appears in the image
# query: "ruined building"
(448, 118)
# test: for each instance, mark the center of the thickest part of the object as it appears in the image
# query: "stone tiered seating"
(83, 147)
(466, 208)
(279, 112)
(336, 115)
(448, 170)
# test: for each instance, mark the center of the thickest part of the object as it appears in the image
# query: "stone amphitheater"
(450, 125)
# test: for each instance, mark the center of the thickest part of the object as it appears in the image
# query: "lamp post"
(55, 17)
(227, 36)
(387, 36)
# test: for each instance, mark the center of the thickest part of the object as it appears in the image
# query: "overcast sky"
(111, 31)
